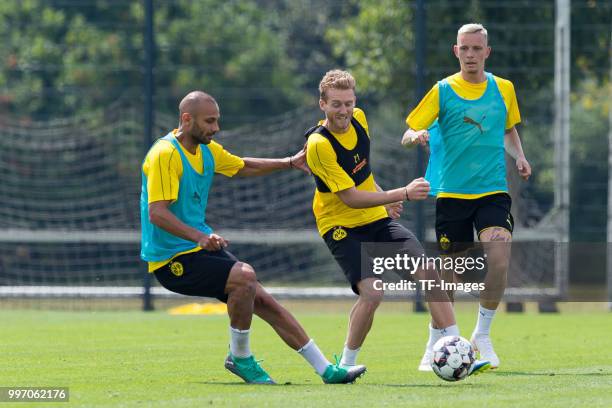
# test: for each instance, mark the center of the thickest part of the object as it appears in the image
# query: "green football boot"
(337, 375)
(248, 369)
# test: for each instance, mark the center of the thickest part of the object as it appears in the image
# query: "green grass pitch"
(135, 359)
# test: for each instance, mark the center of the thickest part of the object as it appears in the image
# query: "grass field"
(135, 359)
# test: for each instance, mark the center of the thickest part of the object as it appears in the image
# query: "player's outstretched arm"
(512, 143)
(161, 217)
(254, 166)
(394, 210)
(416, 190)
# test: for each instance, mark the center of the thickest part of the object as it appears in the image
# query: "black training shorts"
(203, 273)
(345, 245)
(456, 219)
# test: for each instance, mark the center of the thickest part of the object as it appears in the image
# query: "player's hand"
(212, 242)
(413, 138)
(523, 167)
(298, 161)
(394, 210)
(418, 189)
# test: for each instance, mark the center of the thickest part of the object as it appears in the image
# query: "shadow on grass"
(441, 384)
(257, 385)
(550, 374)
(361, 384)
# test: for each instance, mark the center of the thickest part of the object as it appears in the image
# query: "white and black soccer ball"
(453, 358)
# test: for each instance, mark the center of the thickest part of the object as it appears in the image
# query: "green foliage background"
(261, 58)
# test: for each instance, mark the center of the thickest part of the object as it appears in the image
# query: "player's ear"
(185, 117)
(322, 103)
(488, 52)
(456, 50)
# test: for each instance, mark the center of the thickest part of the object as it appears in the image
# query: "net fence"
(69, 193)
(69, 187)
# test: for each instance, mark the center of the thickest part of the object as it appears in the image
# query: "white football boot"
(425, 364)
(482, 344)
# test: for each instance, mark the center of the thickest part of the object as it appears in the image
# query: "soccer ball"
(453, 357)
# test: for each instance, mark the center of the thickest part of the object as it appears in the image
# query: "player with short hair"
(349, 208)
(188, 258)
(477, 113)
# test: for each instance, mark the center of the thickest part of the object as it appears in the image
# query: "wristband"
(406, 191)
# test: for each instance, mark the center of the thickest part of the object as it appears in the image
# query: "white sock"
(450, 331)
(437, 334)
(315, 358)
(485, 318)
(434, 336)
(349, 357)
(239, 343)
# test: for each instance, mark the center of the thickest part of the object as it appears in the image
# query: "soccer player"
(349, 209)
(477, 114)
(188, 258)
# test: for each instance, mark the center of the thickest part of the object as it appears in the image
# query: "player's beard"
(200, 135)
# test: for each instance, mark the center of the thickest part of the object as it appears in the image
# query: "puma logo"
(467, 119)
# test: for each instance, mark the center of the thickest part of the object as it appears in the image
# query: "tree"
(589, 158)
(62, 58)
(377, 45)
(30, 54)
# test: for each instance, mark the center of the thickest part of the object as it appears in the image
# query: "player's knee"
(244, 276)
(369, 303)
(248, 275)
(371, 298)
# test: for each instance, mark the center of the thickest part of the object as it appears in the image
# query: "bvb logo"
(339, 233)
(444, 242)
(176, 268)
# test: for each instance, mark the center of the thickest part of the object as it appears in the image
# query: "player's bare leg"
(362, 313)
(496, 242)
(361, 319)
(283, 322)
(440, 306)
(443, 321)
(241, 287)
(438, 328)
(294, 335)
